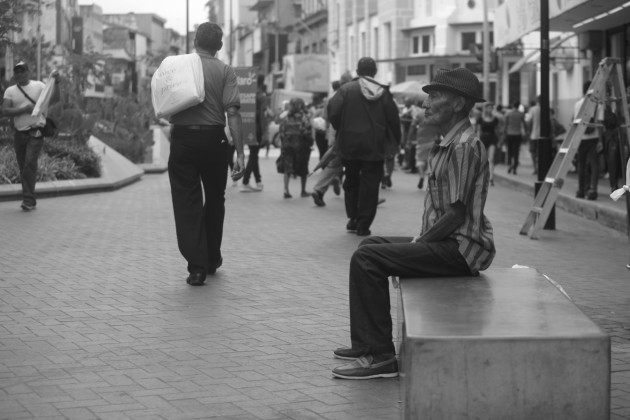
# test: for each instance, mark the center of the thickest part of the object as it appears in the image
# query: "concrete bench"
(505, 345)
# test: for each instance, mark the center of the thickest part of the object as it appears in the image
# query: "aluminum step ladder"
(609, 71)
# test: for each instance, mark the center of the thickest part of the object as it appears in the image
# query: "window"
(468, 40)
(418, 70)
(426, 43)
(375, 44)
(415, 45)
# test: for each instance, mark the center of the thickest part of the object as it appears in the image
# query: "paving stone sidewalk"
(96, 321)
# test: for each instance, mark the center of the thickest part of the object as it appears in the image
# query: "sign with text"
(246, 77)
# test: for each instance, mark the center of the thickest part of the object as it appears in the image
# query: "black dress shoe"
(363, 232)
(351, 226)
(212, 268)
(196, 279)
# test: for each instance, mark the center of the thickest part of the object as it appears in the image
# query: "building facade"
(408, 39)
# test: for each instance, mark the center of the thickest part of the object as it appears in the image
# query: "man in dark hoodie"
(366, 118)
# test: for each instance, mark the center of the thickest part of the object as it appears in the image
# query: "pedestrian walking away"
(587, 155)
(456, 237)
(366, 118)
(514, 130)
(487, 127)
(199, 159)
(28, 141)
(252, 168)
(295, 132)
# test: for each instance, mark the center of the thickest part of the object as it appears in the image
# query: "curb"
(613, 218)
(117, 172)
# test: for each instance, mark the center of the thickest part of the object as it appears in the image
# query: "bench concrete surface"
(507, 344)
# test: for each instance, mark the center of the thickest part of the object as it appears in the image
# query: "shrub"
(60, 160)
(56, 169)
(85, 160)
(9, 172)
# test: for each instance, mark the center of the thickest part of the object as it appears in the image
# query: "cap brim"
(439, 86)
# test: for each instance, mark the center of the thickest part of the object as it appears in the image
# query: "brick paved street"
(97, 322)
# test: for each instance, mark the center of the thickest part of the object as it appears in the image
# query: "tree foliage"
(10, 13)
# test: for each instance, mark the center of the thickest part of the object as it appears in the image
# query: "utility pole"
(486, 53)
(277, 6)
(545, 141)
(39, 39)
(187, 43)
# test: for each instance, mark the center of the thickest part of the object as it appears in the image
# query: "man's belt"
(201, 127)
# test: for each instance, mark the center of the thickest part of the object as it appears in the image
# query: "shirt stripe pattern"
(459, 171)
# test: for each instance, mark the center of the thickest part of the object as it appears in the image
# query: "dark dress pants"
(372, 263)
(252, 165)
(588, 166)
(198, 159)
(513, 150)
(361, 187)
(27, 151)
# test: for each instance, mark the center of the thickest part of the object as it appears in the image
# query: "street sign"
(246, 79)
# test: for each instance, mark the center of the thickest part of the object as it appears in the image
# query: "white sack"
(177, 84)
(41, 106)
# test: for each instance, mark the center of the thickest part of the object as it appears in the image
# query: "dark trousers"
(361, 187)
(27, 151)
(513, 150)
(588, 166)
(198, 160)
(252, 165)
(321, 142)
(372, 263)
(612, 152)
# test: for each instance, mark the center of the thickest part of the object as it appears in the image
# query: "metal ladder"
(609, 70)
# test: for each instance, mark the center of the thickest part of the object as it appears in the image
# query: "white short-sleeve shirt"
(25, 121)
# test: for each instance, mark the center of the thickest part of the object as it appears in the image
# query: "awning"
(516, 18)
(534, 56)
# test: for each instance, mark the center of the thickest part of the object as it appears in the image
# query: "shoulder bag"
(50, 129)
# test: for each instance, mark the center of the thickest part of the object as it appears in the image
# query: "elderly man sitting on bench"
(455, 240)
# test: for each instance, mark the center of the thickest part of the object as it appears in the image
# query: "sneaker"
(318, 199)
(351, 226)
(27, 206)
(260, 186)
(249, 188)
(336, 184)
(368, 367)
(344, 353)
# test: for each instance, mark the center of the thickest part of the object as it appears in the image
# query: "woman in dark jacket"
(295, 132)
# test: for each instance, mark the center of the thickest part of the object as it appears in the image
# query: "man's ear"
(459, 103)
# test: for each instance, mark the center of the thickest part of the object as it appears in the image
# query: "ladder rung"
(537, 210)
(563, 150)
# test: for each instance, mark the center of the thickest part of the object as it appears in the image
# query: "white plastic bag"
(177, 84)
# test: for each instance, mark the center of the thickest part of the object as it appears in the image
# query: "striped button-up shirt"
(458, 168)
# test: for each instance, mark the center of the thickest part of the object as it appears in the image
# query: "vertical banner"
(246, 77)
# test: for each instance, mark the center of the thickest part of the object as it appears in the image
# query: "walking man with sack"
(456, 237)
(19, 102)
(198, 157)
(368, 130)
